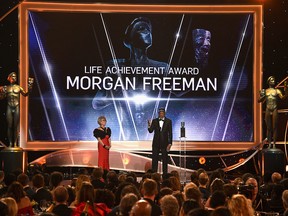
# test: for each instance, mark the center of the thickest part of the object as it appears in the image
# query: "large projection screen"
(203, 64)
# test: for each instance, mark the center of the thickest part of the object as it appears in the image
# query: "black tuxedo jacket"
(42, 194)
(162, 137)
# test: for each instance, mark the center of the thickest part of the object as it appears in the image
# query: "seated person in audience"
(163, 192)
(158, 178)
(12, 206)
(276, 178)
(218, 199)
(41, 192)
(23, 179)
(169, 206)
(60, 196)
(126, 203)
(97, 178)
(149, 191)
(104, 200)
(2, 175)
(187, 186)
(195, 194)
(79, 182)
(285, 202)
(175, 173)
(16, 191)
(112, 181)
(128, 188)
(198, 212)
(55, 180)
(8, 180)
(221, 211)
(175, 183)
(258, 203)
(3, 208)
(187, 206)
(240, 205)
(180, 198)
(194, 177)
(86, 197)
(141, 208)
(275, 204)
(216, 185)
(132, 175)
(203, 180)
(230, 190)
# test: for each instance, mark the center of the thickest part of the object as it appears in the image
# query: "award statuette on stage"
(270, 96)
(12, 93)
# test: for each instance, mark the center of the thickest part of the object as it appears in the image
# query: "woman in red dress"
(103, 135)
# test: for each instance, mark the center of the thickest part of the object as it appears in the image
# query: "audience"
(41, 193)
(12, 206)
(118, 194)
(276, 178)
(81, 178)
(104, 200)
(218, 199)
(97, 178)
(221, 211)
(198, 212)
(3, 208)
(8, 180)
(285, 201)
(23, 179)
(55, 180)
(203, 182)
(169, 206)
(187, 206)
(141, 208)
(149, 191)
(239, 205)
(24, 205)
(126, 204)
(85, 200)
(61, 196)
(2, 175)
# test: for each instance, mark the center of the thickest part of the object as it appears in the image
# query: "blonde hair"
(100, 118)
(187, 186)
(239, 205)
(11, 204)
(169, 205)
(79, 183)
(285, 198)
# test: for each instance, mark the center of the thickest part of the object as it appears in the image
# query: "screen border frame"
(25, 7)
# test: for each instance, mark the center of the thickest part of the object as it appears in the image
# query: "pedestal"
(182, 161)
(273, 160)
(12, 159)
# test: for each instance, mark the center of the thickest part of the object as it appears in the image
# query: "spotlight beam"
(119, 75)
(232, 70)
(49, 76)
(235, 95)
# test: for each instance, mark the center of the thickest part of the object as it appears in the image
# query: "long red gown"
(103, 154)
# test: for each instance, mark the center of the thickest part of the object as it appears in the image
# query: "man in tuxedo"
(162, 140)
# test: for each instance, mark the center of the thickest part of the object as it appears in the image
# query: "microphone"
(182, 129)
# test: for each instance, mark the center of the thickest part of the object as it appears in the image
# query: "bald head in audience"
(276, 177)
(141, 208)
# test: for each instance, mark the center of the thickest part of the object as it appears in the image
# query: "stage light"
(140, 99)
(126, 160)
(86, 159)
(202, 160)
(241, 160)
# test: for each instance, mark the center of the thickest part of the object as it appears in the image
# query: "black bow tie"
(161, 119)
